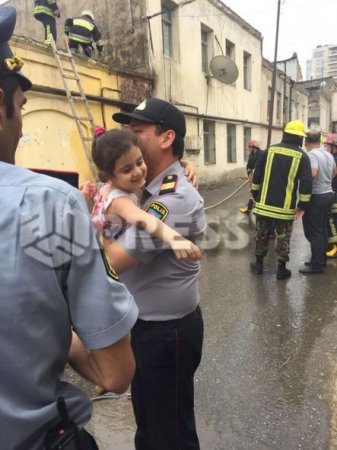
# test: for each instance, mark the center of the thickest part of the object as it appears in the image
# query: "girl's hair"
(108, 147)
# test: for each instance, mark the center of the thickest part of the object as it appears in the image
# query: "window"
(247, 135)
(285, 109)
(278, 107)
(247, 71)
(206, 49)
(269, 104)
(204, 53)
(167, 30)
(230, 49)
(231, 143)
(209, 142)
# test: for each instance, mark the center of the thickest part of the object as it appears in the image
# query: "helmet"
(295, 127)
(88, 13)
(330, 138)
(253, 143)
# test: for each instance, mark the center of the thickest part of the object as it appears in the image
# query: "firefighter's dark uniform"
(45, 11)
(82, 31)
(251, 163)
(278, 173)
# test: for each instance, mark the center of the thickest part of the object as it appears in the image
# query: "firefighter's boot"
(245, 210)
(282, 272)
(257, 266)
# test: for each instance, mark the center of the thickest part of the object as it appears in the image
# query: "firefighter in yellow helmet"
(82, 31)
(282, 169)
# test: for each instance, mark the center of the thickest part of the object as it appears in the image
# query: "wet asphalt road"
(266, 381)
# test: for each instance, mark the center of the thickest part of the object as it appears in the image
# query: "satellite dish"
(224, 69)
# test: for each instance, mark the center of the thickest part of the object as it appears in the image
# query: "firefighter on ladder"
(82, 31)
(45, 11)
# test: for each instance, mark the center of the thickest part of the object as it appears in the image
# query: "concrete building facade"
(164, 48)
(322, 107)
(323, 63)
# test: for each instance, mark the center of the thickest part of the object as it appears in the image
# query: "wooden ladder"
(76, 99)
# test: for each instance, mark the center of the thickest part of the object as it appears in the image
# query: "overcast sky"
(304, 24)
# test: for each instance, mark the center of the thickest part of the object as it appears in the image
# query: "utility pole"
(271, 112)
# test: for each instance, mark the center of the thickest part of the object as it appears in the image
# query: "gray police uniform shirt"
(164, 287)
(323, 161)
(52, 277)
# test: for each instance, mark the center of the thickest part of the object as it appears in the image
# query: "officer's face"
(130, 171)
(150, 141)
(10, 126)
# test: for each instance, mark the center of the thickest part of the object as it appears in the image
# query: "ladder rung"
(71, 77)
(87, 138)
(62, 53)
(78, 99)
(83, 118)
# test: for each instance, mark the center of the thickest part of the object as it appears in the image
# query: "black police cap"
(155, 110)
(10, 64)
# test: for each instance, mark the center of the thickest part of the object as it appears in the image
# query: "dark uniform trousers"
(49, 25)
(315, 227)
(74, 47)
(283, 230)
(167, 355)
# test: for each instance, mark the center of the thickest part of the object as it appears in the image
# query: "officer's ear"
(168, 138)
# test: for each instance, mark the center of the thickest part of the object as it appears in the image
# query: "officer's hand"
(185, 249)
(57, 13)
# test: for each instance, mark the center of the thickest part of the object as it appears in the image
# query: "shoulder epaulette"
(169, 184)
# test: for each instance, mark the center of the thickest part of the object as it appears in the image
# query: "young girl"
(119, 160)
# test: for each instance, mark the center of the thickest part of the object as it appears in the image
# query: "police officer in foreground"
(283, 169)
(167, 338)
(57, 303)
(82, 31)
(45, 12)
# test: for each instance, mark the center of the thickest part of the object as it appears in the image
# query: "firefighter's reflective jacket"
(83, 30)
(279, 173)
(48, 7)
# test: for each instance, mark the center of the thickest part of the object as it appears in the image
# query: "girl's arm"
(133, 215)
(189, 171)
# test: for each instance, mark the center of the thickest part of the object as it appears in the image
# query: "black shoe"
(310, 269)
(282, 274)
(256, 267)
(309, 264)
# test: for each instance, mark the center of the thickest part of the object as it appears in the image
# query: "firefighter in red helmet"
(254, 152)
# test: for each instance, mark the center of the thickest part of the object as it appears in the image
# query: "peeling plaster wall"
(50, 136)
(124, 32)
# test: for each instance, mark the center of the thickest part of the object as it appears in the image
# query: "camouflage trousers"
(283, 228)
